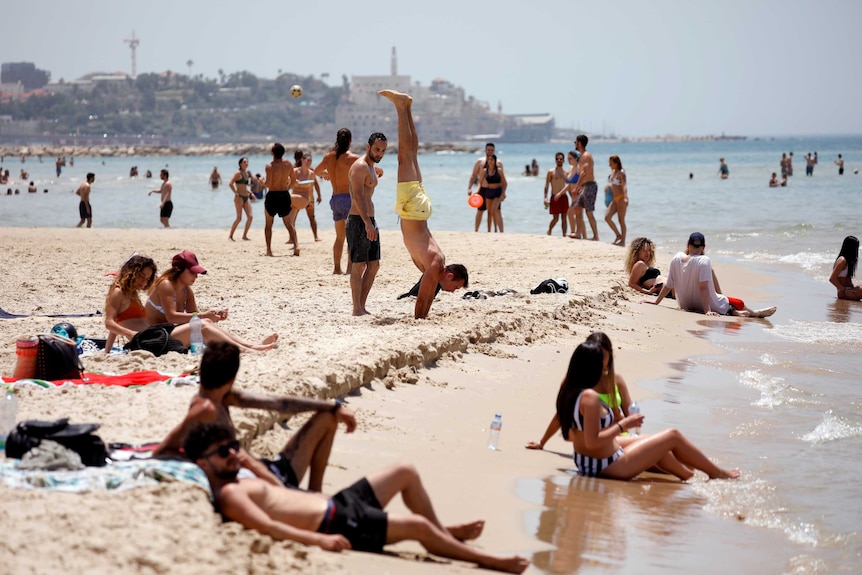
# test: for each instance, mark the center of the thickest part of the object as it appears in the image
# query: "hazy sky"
(749, 67)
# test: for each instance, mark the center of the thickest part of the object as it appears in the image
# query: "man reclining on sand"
(308, 448)
(696, 288)
(413, 207)
(352, 519)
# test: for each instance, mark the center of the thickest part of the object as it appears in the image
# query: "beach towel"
(117, 476)
(6, 315)
(133, 379)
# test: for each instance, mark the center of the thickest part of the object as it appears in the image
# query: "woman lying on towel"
(172, 300)
(125, 315)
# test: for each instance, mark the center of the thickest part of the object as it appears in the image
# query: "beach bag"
(57, 358)
(78, 437)
(157, 340)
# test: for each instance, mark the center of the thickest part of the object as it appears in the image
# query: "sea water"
(782, 401)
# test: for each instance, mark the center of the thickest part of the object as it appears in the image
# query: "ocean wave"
(755, 501)
(833, 334)
(832, 428)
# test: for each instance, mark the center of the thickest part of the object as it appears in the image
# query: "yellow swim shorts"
(411, 201)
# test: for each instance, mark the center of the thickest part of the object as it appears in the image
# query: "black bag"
(157, 340)
(57, 358)
(79, 438)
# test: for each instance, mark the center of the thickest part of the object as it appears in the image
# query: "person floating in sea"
(215, 178)
(723, 170)
(840, 163)
(413, 206)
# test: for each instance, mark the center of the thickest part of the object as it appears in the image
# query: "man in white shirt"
(696, 287)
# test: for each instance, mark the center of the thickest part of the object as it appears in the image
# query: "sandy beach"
(423, 390)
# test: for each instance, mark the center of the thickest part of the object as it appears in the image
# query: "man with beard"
(363, 241)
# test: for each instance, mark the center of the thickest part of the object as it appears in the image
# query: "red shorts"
(560, 206)
(737, 304)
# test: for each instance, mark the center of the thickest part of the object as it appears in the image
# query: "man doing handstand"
(413, 206)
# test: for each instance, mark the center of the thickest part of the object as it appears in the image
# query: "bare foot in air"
(726, 474)
(397, 98)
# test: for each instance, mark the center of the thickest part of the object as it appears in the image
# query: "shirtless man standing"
(556, 180)
(84, 208)
(413, 206)
(363, 239)
(280, 178)
(588, 190)
(334, 167)
(353, 519)
(166, 206)
(307, 450)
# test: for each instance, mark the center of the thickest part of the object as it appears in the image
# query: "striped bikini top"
(606, 420)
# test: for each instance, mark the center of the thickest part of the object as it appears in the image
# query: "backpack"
(157, 340)
(57, 358)
(79, 438)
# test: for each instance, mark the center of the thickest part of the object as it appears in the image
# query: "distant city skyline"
(755, 68)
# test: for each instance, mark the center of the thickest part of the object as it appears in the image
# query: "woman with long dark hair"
(589, 423)
(844, 269)
(239, 185)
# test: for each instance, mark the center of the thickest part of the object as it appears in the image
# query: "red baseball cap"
(187, 260)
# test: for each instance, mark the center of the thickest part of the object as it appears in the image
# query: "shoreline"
(17, 151)
(423, 390)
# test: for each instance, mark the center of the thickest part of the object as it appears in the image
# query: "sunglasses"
(223, 450)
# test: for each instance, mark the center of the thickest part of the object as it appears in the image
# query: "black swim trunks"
(167, 210)
(85, 210)
(355, 513)
(360, 247)
(283, 470)
(277, 203)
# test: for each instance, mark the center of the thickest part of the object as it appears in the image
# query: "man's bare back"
(280, 176)
(337, 170)
(84, 192)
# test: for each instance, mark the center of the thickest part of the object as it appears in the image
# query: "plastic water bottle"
(8, 415)
(634, 409)
(196, 338)
(494, 434)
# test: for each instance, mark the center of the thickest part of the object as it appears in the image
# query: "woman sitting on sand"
(643, 278)
(239, 185)
(618, 401)
(590, 425)
(844, 268)
(171, 300)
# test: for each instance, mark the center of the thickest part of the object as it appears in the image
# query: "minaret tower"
(133, 44)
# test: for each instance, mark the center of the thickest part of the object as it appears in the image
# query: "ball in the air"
(296, 90)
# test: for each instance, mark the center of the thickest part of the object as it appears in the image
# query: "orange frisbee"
(475, 200)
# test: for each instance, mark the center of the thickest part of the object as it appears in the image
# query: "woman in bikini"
(588, 422)
(619, 400)
(239, 185)
(643, 278)
(124, 314)
(620, 202)
(306, 183)
(492, 182)
(844, 269)
(172, 300)
(571, 179)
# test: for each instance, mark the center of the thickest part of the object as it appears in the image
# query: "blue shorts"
(340, 204)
